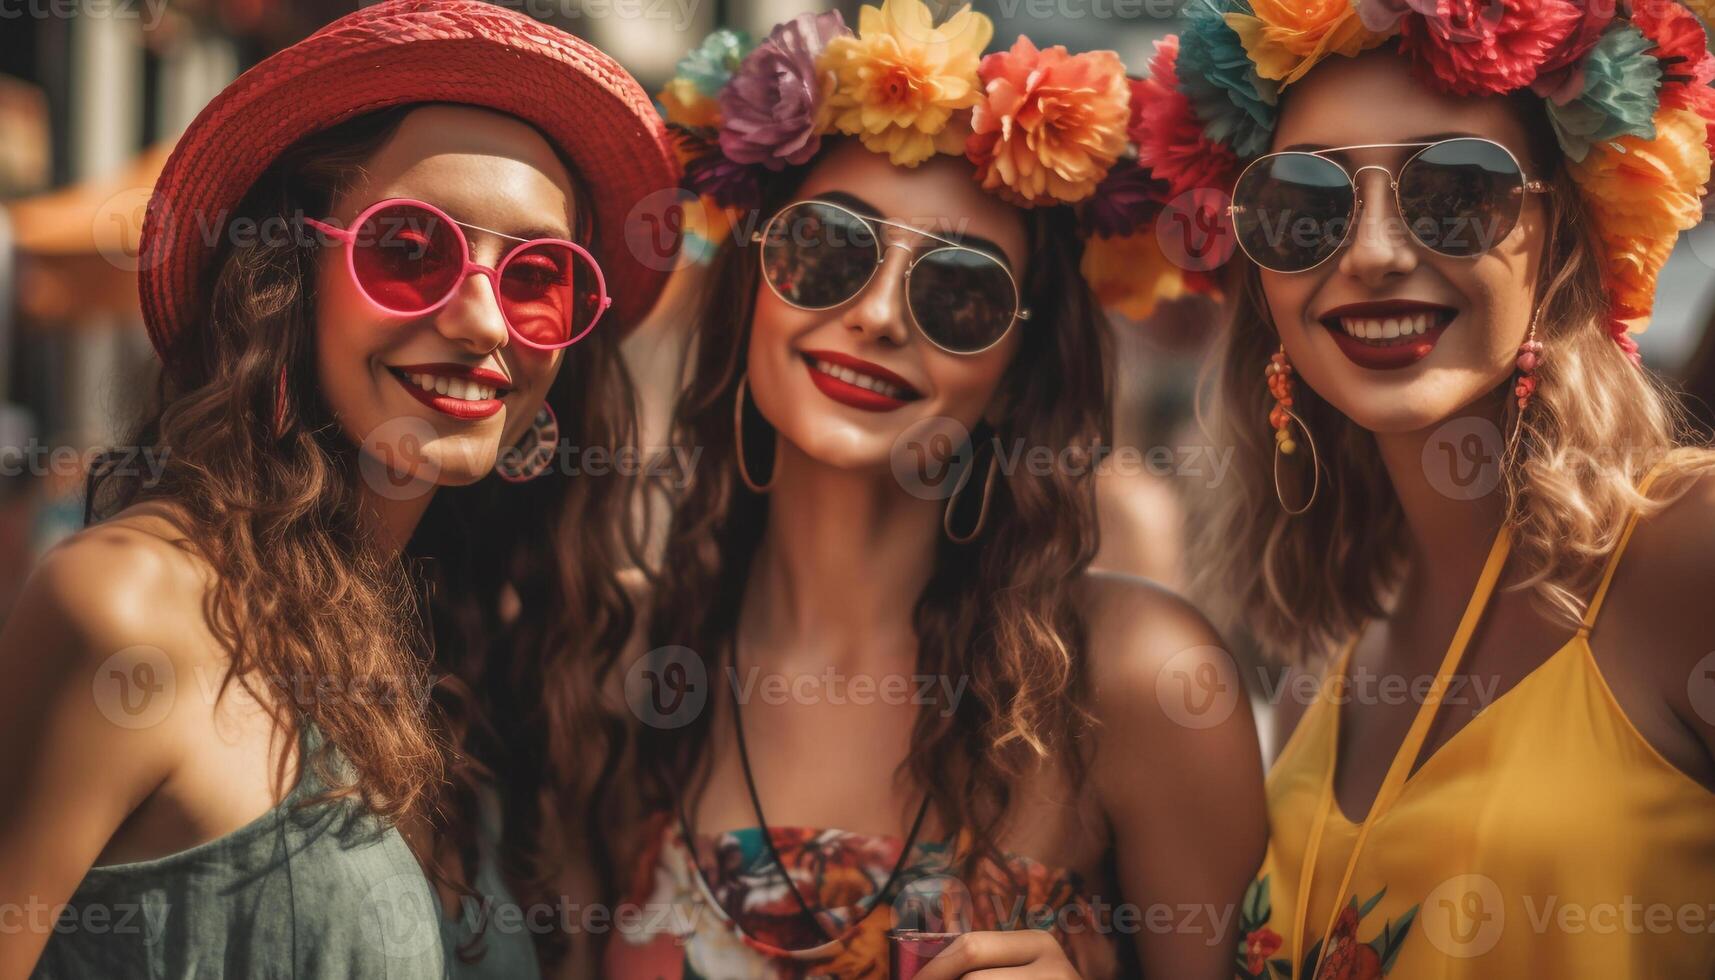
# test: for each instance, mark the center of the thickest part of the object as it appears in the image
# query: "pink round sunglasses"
(409, 257)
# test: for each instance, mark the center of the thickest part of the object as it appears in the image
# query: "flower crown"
(1626, 84)
(1043, 127)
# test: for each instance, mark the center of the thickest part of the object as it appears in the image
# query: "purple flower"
(1126, 200)
(770, 107)
(708, 172)
(1382, 16)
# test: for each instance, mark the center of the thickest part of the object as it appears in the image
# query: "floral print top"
(740, 919)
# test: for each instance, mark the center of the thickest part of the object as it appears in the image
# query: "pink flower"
(1049, 124)
(1488, 47)
(1169, 136)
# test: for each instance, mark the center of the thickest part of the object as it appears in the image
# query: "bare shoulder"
(1140, 631)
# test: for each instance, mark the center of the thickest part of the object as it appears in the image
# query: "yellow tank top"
(1547, 838)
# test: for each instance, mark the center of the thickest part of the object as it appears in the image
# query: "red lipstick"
(1388, 353)
(461, 378)
(854, 381)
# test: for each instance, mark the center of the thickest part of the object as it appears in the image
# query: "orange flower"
(1050, 124)
(1286, 38)
(683, 103)
(1132, 274)
(1643, 193)
(900, 79)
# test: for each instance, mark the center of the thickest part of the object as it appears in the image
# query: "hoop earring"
(1281, 419)
(982, 509)
(534, 454)
(738, 441)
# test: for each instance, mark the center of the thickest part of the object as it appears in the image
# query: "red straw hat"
(396, 53)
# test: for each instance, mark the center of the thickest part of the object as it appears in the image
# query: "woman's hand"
(1025, 954)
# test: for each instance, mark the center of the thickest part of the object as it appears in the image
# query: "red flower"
(1346, 958)
(1487, 47)
(1259, 946)
(1680, 46)
(1561, 77)
(1169, 136)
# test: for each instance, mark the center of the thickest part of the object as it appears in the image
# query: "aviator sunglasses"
(408, 258)
(1459, 197)
(818, 255)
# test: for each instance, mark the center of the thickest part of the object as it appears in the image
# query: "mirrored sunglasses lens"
(407, 258)
(1293, 211)
(963, 300)
(817, 256)
(1461, 197)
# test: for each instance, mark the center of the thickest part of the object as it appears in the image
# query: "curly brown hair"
(1001, 611)
(461, 645)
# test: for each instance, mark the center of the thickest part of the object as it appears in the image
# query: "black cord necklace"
(774, 853)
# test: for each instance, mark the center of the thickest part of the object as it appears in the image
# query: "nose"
(1380, 246)
(880, 310)
(472, 318)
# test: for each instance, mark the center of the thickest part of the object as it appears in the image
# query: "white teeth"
(859, 380)
(457, 388)
(1388, 328)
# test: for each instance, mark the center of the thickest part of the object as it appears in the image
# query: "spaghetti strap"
(1595, 607)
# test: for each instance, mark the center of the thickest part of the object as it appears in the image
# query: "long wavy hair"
(1001, 611)
(1595, 426)
(460, 645)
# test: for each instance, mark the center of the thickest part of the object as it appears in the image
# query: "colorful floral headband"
(1626, 85)
(1043, 127)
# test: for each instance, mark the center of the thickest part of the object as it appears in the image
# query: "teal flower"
(710, 64)
(1235, 105)
(1619, 97)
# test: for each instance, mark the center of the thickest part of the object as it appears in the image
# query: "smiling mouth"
(1390, 335)
(855, 382)
(451, 392)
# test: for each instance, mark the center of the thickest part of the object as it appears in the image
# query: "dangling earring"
(1281, 418)
(738, 441)
(1529, 359)
(534, 453)
(982, 509)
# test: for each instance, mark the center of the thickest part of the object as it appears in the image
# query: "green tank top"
(299, 893)
(506, 948)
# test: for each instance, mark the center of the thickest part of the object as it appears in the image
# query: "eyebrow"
(863, 207)
(1427, 138)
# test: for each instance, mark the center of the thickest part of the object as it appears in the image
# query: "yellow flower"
(1286, 38)
(683, 103)
(900, 79)
(1642, 194)
(1131, 274)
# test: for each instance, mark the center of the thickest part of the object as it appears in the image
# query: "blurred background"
(94, 92)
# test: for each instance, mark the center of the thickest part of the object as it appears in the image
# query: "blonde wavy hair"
(1595, 427)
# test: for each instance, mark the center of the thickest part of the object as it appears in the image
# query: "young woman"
(1456, 482)
(882, 690)
(366, 267)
